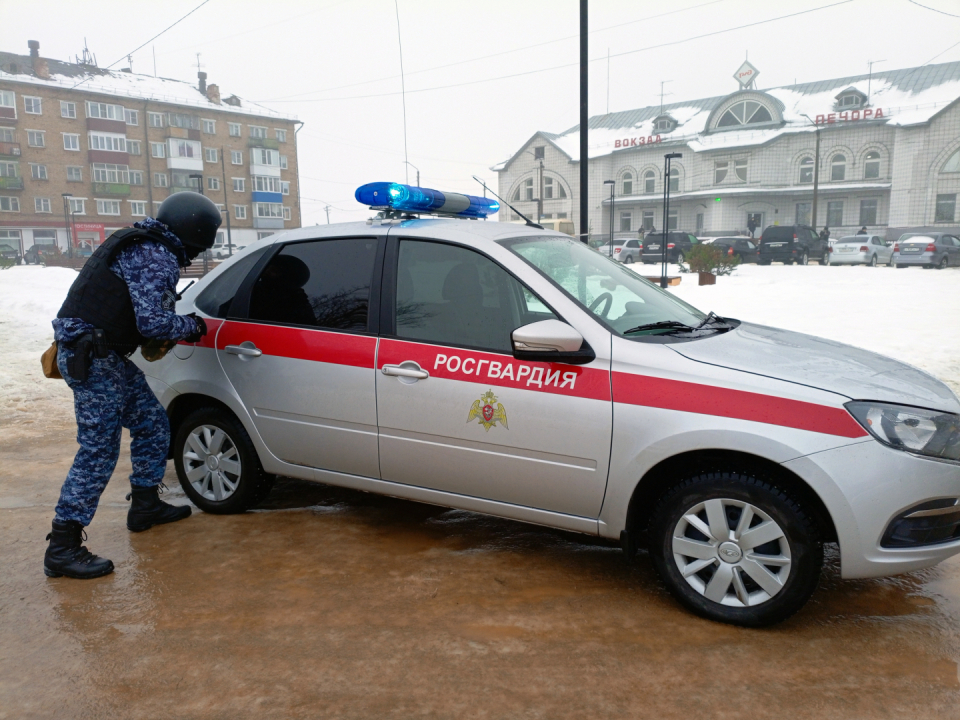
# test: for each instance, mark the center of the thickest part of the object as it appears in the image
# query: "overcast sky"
(481, 77)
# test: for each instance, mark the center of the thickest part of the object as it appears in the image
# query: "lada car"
(514, 371)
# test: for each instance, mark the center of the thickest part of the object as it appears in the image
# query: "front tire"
(825, 260)
(217, 463)
(804, 259)
(733, 548)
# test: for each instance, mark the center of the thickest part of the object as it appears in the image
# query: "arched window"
(838, 167)
(674, 180)
(649, 181)
(953, 163)
(871, 165)
(628, 183)
(746, 112)
(806, 170)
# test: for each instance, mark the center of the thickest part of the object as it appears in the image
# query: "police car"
(511, 370)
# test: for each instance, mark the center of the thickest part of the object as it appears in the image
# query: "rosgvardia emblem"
(488, 411)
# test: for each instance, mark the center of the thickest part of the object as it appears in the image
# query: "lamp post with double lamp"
(613, 188)
(666, 215)
(816, 174)
(66, 222)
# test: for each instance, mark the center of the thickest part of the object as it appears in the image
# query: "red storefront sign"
(82, 227)
(848, 115)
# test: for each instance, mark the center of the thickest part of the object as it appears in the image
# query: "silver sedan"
(861, 250)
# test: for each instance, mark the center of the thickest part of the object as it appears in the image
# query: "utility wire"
(934, 9)
(568, 65)
(943, 53)
(147, 42)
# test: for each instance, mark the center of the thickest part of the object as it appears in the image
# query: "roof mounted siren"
(398, 201)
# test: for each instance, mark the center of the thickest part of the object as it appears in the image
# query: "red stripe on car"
(302, 343)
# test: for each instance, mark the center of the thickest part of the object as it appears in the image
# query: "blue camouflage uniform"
(115, 394)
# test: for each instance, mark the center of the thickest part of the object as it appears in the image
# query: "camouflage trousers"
(115, 395)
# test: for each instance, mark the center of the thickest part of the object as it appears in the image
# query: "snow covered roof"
(909, 96)
(20, 69)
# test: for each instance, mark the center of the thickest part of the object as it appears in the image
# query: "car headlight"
(917, 430)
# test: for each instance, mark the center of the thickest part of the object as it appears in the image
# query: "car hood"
(824, 364)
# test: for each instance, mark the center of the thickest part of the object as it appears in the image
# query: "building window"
(32, 105)
(868, 212)
(68, 109)
(184, 121)
(699, 222)
(112, 143)
(9, 204)
(105, 111)
(745, 112)
(281, 135)
(871, 165)
(838, 167)
(138, 208)
(283, 163)
(160, 180)
(258, 132)
(548, 188)
(43, 237)
(835, 213)
(213, 183)
(158, 150)
(133, 147)
(649, 181)
(155, 119)
(136, 177)
(674, 180)
(236, 157)
(6, 134)
(38, 172)
(9, 100)
(107, 173)
(647, 220)
(209, 127)
(663, 125)
(234, 129)
(806, 170)
(41, 205)
(263, 183)
(78, 206)
(286, 213)
(267, 210)
(210, 155)
(627, 186)
(803, 213)
(720, 172)
(284, 187)
(848, 101)
(625, 221)
(952, 164)
(132, 117)
(672, 220)
(240, 212)
(74, 173)
(538, 152)
(35, 138)
(740, 169)
(239, 184)
(108, 207)
(184, 148)
(10, 169)
(264, 234)
(946, 208)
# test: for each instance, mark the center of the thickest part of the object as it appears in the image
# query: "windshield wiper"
(663, 324)
(706, 320)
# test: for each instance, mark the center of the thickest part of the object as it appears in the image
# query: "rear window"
(777, 234)
(917, 238)
(852, 239)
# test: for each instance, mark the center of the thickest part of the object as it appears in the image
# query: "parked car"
(9, 252)
(741, 247)
(221, 249)
(792, 244)
(934, 249)
(626, 251)
(861, 250)
(366, 356)
(37, 253)
(678, 245)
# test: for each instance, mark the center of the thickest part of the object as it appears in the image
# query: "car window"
(322, 283)
(215, 299)
(693, 239)
(452, 295)
(777, 233)
(633, 244)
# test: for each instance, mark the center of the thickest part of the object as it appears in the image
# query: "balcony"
(101, 188)
(11, 183)
(270, 143)
(9, 150)
(8, 113)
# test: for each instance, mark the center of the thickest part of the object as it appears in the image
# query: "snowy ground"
(911, 314)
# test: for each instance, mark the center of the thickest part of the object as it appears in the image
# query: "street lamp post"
(666, 215)
(613, 188)
(415, 168)
(66, 222)
(199, 178)
(816, 173)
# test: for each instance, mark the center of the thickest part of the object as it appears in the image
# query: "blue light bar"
(407, 198)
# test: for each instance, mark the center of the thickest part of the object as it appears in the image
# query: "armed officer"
(125, 295)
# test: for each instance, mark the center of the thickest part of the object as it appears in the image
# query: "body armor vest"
(100, 297)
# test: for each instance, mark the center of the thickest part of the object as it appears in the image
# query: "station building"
(85, 151)
(889, 159)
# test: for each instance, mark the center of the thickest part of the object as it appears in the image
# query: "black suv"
(792, 244)
(679, 245)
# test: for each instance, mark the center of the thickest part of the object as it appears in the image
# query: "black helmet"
(191, 217)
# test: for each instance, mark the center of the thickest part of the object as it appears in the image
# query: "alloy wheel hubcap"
(731, 552)
(211, 462)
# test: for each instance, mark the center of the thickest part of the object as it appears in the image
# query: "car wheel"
(733, 548)
(217, 464)
(873, 261)
(628, 260)
(943, 263)
(890, 263)
(804, 259)
(680, 258)
(825, 260)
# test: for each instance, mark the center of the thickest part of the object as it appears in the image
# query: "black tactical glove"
(201, 329)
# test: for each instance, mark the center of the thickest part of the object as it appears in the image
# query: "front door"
(302, 356)
(458, 413)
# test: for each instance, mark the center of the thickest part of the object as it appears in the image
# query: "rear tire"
(825, 260)
(705, 555)
(891, 263)
(943, 263)
(680, 258)
(804, 259)
(237, 482)
(629, 260)
(873, 261)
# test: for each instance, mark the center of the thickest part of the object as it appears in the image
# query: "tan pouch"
(49, 363)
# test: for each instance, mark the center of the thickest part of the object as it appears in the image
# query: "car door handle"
(247, 349)
(408, 369)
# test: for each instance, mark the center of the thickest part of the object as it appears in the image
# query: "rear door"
(299, 348)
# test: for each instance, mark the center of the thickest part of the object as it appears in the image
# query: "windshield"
(616, 296)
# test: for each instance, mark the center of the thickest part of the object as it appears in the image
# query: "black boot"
(66, 556)
(147, 509)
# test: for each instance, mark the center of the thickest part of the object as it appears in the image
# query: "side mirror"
(551, 341)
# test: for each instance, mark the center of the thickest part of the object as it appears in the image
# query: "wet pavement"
(330, 603)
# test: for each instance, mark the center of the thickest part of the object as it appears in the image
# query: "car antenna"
(529, 222)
